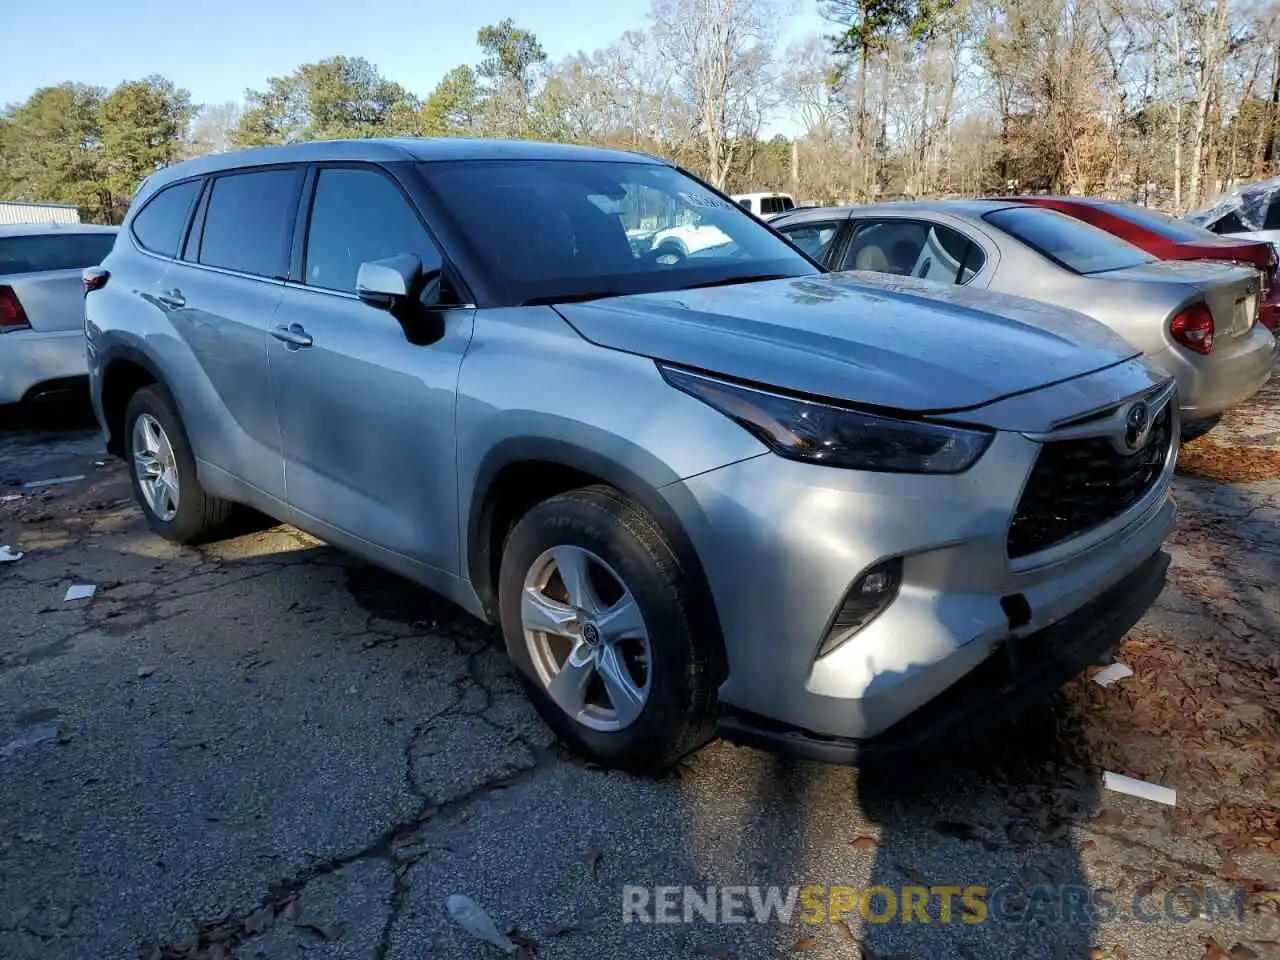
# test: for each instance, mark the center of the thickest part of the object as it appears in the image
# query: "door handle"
(172, 298)
(293, 336)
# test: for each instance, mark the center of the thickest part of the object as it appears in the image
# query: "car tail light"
(1193, 328)
(12, 316)
(95, 278)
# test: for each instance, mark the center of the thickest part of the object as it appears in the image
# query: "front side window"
(249, 222)
(815, 239)
(357, 216)
(159, 225)
(46, 252)
(544, 231)
(913, 248)
(1071, 243)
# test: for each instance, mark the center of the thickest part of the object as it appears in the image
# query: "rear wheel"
(593, 606)
(163, 470)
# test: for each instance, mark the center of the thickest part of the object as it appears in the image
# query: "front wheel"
(593, 606)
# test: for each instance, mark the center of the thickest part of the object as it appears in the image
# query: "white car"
(676, 243)
(42, 306)
(765, 205)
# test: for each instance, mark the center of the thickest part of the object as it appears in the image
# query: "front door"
(367, 417)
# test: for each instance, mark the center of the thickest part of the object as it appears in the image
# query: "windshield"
(545, 231)
(1158, 223)
(1068, 242)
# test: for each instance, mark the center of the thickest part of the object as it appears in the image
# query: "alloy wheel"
(156, 467)
(587, 638)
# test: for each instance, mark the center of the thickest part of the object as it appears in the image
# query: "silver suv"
(722, 491)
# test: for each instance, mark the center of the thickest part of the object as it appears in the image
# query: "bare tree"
(721, 53)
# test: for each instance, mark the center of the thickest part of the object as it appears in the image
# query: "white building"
(26, 211)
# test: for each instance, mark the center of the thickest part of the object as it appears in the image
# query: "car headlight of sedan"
(835, 436)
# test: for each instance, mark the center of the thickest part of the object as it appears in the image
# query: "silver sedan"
(1196, 320)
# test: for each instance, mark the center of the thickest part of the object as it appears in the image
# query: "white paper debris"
(471, 917)
(7, 555)
(51, 481)
(80, 591)
(1139, 788)
(10, 497)
(1117, 671)
(99, 463)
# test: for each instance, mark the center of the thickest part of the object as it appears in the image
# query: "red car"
(1168, 238)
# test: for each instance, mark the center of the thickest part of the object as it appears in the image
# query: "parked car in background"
(726, 491)
(765, 205)
(42, 307)
(1169, 238)
(1252, 212)
(1195, 319)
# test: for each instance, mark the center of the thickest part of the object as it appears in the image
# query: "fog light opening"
(869, 595)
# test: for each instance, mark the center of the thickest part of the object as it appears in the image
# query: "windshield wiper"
(571, 297)
(750, 278)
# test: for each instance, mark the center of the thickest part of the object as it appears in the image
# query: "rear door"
(221, 298)
(43, 271)
(916, 247)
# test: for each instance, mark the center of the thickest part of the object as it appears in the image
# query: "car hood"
(865, 338)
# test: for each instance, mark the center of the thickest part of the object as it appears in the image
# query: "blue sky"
(217, 48)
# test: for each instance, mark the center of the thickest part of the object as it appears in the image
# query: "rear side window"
(1272, 221)
(357, 216)
(63, 251)
(1068, 242)
(1229, 224)
(159, 225)
(913, 248)
(815, 239)
(249, 222)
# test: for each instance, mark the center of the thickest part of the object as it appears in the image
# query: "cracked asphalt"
(264, 748)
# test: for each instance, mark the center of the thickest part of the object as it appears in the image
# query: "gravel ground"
(264, 748)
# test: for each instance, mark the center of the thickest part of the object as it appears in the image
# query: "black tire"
(679, 714)
(199, 516)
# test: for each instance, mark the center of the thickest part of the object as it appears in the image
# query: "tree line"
(1166, 102)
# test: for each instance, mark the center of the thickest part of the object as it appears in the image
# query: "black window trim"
(186, 224)
(204, 211)
(297, 261)
(856, 223)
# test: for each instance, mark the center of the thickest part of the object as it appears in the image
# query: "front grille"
(1080, 484)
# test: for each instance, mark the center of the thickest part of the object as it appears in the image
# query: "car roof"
(391, 150)
(42, 229)
(963, 208)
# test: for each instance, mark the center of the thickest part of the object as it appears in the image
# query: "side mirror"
(387, 283)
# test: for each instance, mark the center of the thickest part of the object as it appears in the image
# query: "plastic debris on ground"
(31, 738)
(472, 917)
(80, 591)
(1139, 788)
(1117, 671)
(52, 481)
(8, 555)
(10, 497)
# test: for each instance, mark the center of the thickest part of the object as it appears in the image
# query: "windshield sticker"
(696, 200)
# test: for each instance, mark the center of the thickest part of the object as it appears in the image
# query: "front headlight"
(816, 432)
